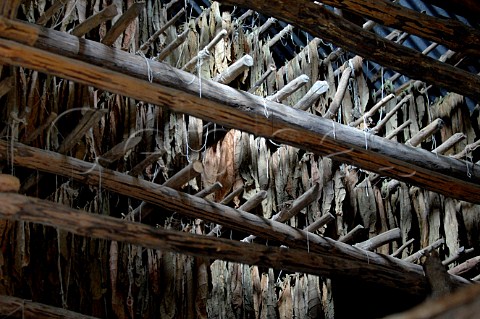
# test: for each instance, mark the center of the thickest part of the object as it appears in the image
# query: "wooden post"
(449, 143)
(399, 251)
(279, 35)
(373, 110)
(122, 23)
(320, 222)
(425, 132)
(250, 204)
(298, 204)
(263, 77)
(380, 239)
(352, 234)
(95, 20)
(118, 151)
(317, 89)
(355, 66)
(209, 190)
(289, 89)
(234, 70)
(143, 48)
(392, 112)
(173, 45)
(394, 133)
(206, 50)
(422, 252)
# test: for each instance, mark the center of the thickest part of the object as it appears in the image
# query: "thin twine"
(265, 108)
(201, 149)
(468, 158)
(203, 54)
(383, 81)
(149, 68)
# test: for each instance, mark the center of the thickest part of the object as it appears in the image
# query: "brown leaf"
(285, 302)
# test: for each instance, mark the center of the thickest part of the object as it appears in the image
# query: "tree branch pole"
(94, 64)
(449, 32)
(366, 265)
(12, 307)
(95, 20)
(322, 23)
(28, 209)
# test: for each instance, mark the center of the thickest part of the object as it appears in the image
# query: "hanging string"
(202, 55)
(469, 159)
(265, 108)
(383, 81)
(201, 149)
(149, 68)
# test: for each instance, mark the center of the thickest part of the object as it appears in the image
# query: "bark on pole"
(12, 307)
(322, 23)
(22, 208)
(368, 266)
(94, 64)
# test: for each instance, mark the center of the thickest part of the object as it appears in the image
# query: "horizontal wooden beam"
(29, 209)
(451, 33)
(116, 71)
(320, 22)
(12, 307)
(466, 8)
(367, 266)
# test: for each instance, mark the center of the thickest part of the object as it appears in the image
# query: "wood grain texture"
(333, 264)
(451, 33)
(12, 307)
(120, 72)
(365, 265)
(322, 23)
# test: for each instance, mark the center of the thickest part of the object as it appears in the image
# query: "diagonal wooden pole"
(113, 70)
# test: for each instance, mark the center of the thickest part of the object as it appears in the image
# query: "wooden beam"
(9, 8)
(12, 307)
(451, 33)
(95, 20)
(322, 23)
(366, 265)
(122, 23)
(120, 72)
(467, 8)
(29, 209)
(463, 303)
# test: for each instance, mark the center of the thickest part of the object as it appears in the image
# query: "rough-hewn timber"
(322, 23)
(451, 33)
(117, 71)
(368, 266)
(333, 264)
(12, 307)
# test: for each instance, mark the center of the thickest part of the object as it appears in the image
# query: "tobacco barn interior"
(239, 159)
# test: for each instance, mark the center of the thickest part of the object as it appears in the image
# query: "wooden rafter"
(12, 307)
(336, 257)
(322, 23)
(467, 8)
(95, 64)
(453, 34)
(333, 264)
